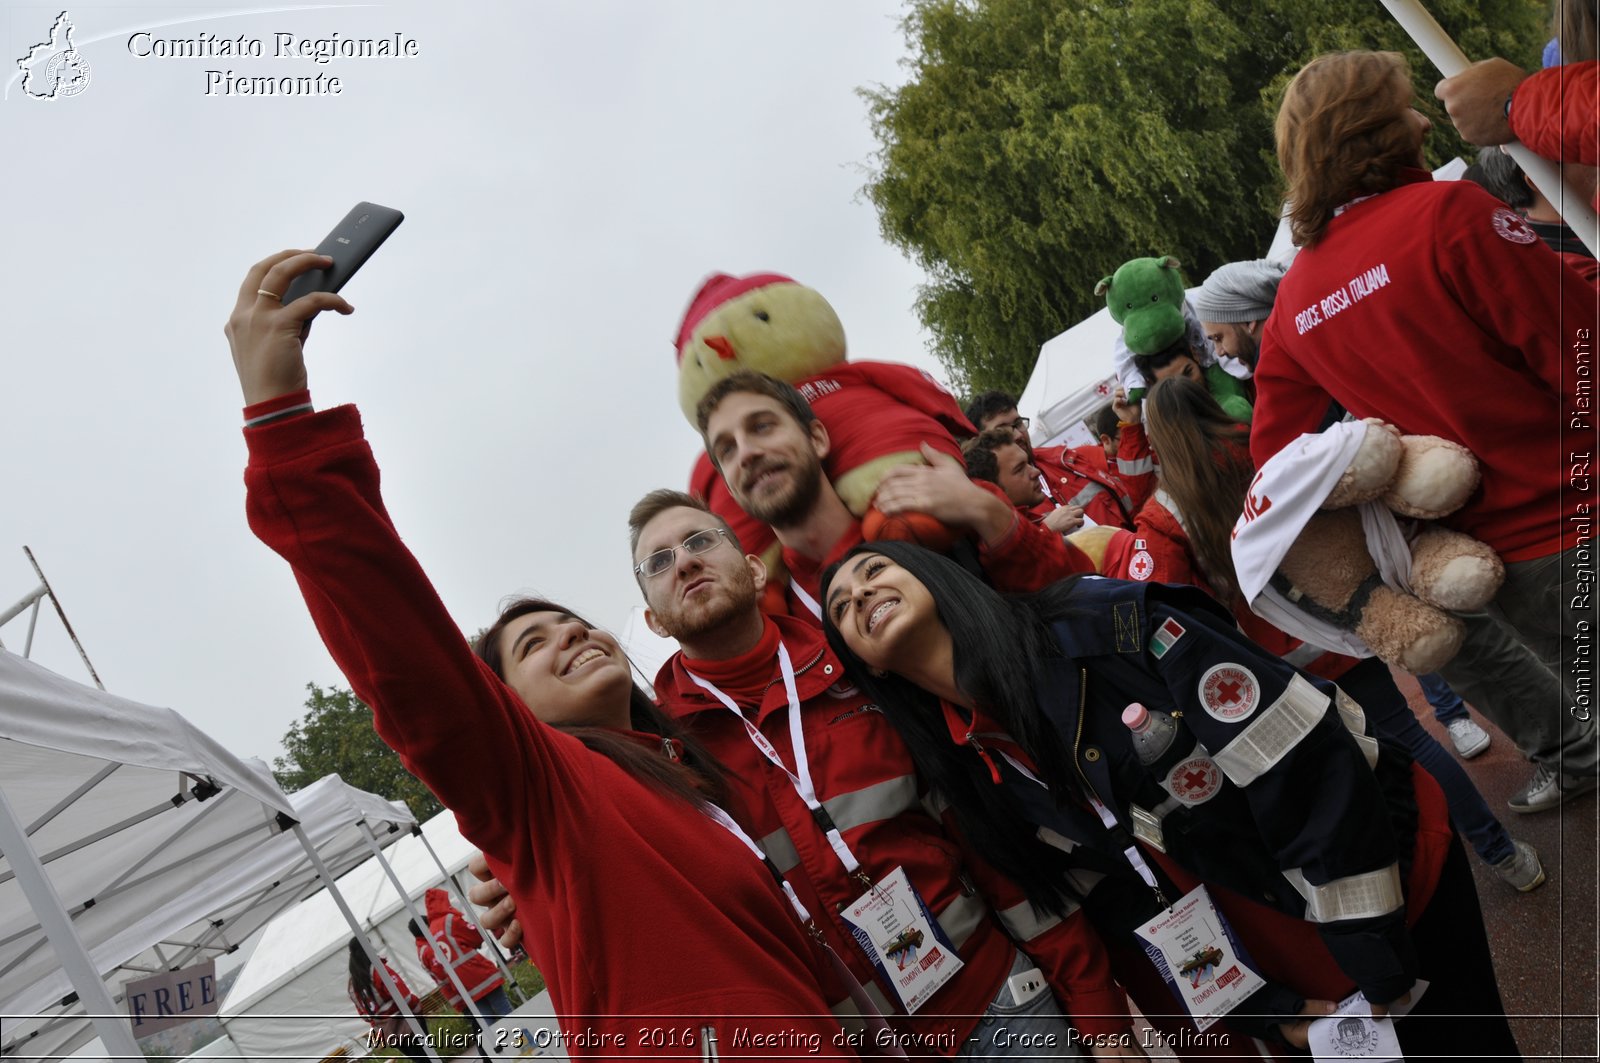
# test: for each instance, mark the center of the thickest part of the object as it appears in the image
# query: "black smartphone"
(350, 244)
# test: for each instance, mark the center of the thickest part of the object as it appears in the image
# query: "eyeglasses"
(698, 543)
(1020, 424)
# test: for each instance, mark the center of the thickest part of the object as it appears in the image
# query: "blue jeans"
(1373, 689)
(1447, 704)
(1033, 1030)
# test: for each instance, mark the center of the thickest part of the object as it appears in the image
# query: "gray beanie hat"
(1239, 292)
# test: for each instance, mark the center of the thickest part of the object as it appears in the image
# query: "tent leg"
(115, 1032)
(421, 920)
(366, 943)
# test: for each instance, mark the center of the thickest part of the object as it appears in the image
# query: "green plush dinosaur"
(1145, 296)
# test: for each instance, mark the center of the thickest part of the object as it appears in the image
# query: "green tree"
(336, 735)
(1040, 144)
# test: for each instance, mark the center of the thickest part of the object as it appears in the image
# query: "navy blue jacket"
(1300, 812)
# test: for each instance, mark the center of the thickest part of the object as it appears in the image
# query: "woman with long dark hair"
(651, 915)
(1284, 799)
(1187, 528)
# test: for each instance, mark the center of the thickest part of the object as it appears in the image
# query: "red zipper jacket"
(1080, 476)
(863, 776)
(619, 888)
(1436, 308)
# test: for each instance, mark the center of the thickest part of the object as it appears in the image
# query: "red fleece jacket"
(619, 888)
(1436, 308)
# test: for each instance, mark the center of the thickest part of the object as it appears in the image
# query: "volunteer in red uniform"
(460, 941)
(1434, 307)
(604, 836)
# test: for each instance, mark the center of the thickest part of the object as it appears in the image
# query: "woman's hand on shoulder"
(499, 916)
(266, 337)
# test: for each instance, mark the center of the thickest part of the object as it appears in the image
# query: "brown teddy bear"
(1320, 554)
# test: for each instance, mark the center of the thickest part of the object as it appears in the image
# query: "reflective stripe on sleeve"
(1082, 497)
(1136, 466)
(1024, 924)
(1364, 896)
(780, 849)
(961, 918)
(880, 801)
(1275, 730)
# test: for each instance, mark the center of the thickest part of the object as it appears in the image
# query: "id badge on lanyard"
(1192, 946)
(890, 921)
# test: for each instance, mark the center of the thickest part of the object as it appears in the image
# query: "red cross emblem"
(1229, 691)
(1194, 780)
(1511, 226)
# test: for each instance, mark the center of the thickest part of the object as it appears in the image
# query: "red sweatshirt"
(620, 889)
(1436, 308)
(460, 941)
(1556, 113)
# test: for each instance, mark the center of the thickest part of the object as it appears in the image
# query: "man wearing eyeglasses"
(1081, 476)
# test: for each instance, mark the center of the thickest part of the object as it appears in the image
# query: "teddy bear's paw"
(1435, 477)
(1371, 470)
(1454, 571)
(1409, 633)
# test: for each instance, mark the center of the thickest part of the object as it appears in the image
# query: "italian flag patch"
(1164, 636)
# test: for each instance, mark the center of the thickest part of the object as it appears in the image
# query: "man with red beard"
(769, 446)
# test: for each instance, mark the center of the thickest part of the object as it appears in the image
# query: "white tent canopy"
(212, 914)
(300, 966)
(118, 803)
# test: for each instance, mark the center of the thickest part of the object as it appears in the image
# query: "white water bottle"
(1153, 732)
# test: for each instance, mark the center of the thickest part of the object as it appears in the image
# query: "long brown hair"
(1205, 467)
(681, 767)
(1342, 134)
(1578, 27)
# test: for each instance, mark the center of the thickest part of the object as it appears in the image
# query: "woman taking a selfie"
(1286, 801)
(649, 915)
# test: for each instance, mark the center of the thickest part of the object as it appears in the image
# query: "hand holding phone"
(350, 244)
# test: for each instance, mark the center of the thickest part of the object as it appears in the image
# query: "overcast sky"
(569, 173)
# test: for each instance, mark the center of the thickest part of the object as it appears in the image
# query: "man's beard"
(690, 620)
(790, 507)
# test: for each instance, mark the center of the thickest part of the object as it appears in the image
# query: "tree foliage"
(1040, 144)
(336, 736)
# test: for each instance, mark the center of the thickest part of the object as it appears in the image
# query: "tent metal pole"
(470, 912)
(366, 943)
(114, 1031)
(421, 919)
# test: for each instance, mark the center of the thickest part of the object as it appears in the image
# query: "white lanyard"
(749, 843)
(1132, 851)
(801, 776)
(805, 599)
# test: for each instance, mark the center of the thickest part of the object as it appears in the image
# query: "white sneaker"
(1522, 868)
(1468, 738)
